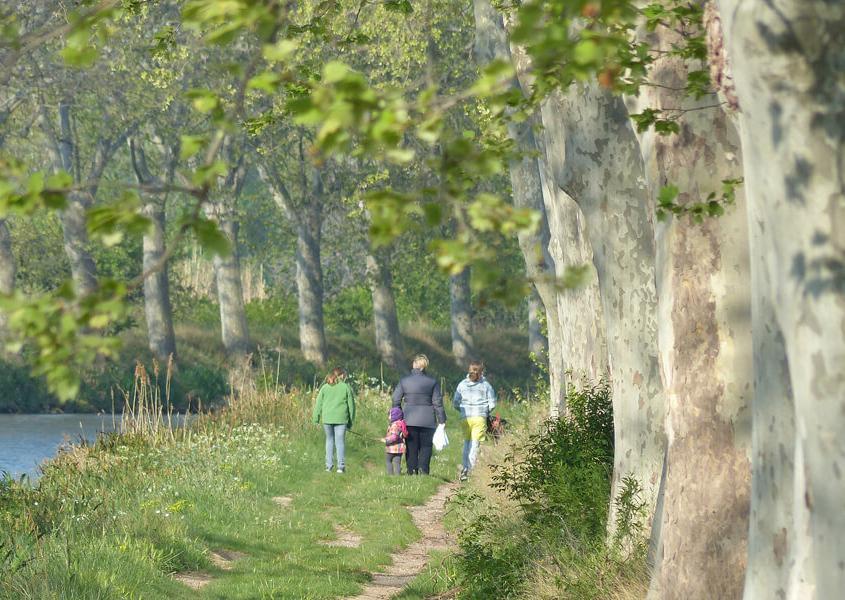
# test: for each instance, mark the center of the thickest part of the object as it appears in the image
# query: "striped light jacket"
(474, 398)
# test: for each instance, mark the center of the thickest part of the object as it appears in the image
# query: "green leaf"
(667, 194)
(189, 145)
(280, 51)
(586, 52)
(266, 81)
(203, 101)
(334, 71)
(211, 238)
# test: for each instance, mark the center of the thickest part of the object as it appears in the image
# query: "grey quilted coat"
(423, 400)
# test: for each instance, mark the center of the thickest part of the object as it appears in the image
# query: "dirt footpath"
(411, 561)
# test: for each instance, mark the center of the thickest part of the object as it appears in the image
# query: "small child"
(394, 441)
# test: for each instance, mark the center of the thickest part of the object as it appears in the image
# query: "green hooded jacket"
(335, 405)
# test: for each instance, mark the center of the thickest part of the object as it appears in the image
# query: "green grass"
(117, 519)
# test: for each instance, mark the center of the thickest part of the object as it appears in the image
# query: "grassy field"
(118, 519)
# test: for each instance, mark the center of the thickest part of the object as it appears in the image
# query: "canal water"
(26, 440)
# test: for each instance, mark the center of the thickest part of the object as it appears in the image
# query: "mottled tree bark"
(309, 283)
(787, 65)
(157, 308)
(227, 273)
(74, 226)
(385, 320)
(227, 269)
(463, 346)
(65, 156)
(575, 338)
(704, 322)
(594, 158)
(307, 218)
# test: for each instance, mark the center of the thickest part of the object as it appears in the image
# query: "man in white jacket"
(475, 398)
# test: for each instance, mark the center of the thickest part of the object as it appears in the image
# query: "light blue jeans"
(335, 440)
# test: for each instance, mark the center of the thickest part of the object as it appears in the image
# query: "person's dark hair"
(336, 374)
(476, 363)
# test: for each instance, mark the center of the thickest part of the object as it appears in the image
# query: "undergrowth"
(533, 522)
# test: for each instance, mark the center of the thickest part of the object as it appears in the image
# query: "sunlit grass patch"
(118, 518)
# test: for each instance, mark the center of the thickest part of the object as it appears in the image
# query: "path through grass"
(120, 519)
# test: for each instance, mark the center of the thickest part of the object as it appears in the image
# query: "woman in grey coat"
(423, 407)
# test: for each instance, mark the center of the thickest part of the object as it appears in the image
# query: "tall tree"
(64, 151)
(491, 44)
(460, 296)
(306, 214)
(157, 308)
(227, 266)
(787, 61)
(577, 338)
(608, 187)
(705, 342)
(385, 320)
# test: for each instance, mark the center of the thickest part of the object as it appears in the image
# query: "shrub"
(561, 478)
(349, 309)
(543, 535)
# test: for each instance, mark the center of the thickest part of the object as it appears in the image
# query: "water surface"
(26, 440)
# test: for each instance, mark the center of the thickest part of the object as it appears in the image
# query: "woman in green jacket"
(335, 409)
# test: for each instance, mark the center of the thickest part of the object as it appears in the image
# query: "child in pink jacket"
(394, 441)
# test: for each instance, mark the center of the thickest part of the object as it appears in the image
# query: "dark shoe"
(464, 475)
(341, 471)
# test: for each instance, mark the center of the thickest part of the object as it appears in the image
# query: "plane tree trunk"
(463, 345)
(786, 61)
(385, 320)
(157, 307)
(594, 158)
(307, 218)
(227, 268)
(704, 325)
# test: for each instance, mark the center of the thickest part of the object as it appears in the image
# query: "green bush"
(21, 391)
(267, 315)
(349, 309)
(560, 479)
(198, 384)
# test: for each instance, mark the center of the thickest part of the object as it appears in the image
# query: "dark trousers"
(418, 449)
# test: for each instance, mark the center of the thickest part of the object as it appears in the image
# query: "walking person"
(397, 433)
(423, 406)
(475, 398)
(335, 409)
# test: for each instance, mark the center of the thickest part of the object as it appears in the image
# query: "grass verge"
(119, 518)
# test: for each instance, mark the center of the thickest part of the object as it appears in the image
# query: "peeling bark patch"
(706, 508)
(638, 380)
(779, 546)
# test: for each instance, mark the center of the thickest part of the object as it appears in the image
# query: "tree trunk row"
(724, 340)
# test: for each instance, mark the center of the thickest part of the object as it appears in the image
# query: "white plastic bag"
(441, 440)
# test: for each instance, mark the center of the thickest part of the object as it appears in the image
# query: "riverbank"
(200, 373)
(126, 516)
